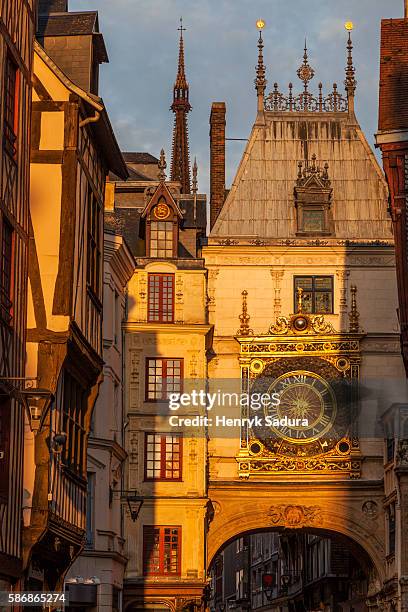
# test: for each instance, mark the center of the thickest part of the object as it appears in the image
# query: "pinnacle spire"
(195, 172)
(162, 167)
(350, 81)
(260, 81)
(180, 159)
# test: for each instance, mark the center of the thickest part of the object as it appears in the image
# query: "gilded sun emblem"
(162, 211)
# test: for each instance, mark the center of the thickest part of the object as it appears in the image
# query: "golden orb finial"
(260, 24)
(349, 25)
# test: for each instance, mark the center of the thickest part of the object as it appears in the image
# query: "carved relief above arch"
(324, 513)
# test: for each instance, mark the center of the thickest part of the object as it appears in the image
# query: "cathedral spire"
(180, 159)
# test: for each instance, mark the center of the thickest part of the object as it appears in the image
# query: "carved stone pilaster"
(179, 299)
(342, 276)
(277, 276)
(212, 277)
(134, 377)
(142, 296)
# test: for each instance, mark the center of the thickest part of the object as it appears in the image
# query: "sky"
(221, 53)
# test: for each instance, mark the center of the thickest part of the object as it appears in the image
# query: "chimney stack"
(46, 7)
(217, 159)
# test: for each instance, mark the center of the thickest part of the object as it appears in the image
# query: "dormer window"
(313, 193)
(162, 224)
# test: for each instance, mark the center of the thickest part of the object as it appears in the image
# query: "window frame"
(11, 107)
(93, 245)
(162, 533)
(169, 230)
(391, 532)
(90, 511)
(73, 409)
(163, 452)
(162, 314)
(164, 386)
(7, 294)
(314, 291)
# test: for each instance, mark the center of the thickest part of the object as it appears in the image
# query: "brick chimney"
(46, 7)
(217, 159)
(406, 9)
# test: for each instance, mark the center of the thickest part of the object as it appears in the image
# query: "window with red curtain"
(161, 298)
(163, 456)
(161, 550)
(10, 109)
(6, 271)
(163, 376)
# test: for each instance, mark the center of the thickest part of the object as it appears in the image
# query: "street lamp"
(285, 580)
(135, 504)
(36, 402)
(267, 585)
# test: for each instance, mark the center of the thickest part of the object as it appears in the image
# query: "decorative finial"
(350, 81)
(194, 182)
(244, 329)
(313, 169)
(305, 72)
(354, 315)
(260, 81)
(162, 166)
(299, 301)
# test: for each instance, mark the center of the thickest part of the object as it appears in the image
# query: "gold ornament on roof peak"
(349, 25)
(244, 317)
(260, 24)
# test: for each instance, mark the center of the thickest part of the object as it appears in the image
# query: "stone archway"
(338, 509)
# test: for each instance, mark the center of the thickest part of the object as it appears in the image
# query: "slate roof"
(139, 158)
(68, 24)
(261, 200)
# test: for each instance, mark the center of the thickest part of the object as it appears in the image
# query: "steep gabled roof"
(261, 200)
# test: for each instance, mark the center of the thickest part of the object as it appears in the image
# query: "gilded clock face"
(307, 404)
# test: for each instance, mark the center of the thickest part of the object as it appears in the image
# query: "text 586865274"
(33, 598)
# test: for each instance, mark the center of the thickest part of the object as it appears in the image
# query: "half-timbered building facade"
(17, 28)
(73, 148)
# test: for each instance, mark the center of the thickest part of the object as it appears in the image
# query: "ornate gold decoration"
(295, 516)
(161, 211)
(244, 317)
(301, 323)
(349, 25)
(301, 347)
(260, 24)
(305, 72)
(354, 315)
(257, 366)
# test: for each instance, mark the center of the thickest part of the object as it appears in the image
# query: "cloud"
(221, 53)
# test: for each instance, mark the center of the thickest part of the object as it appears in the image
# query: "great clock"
(307, 404)
(315, 412)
